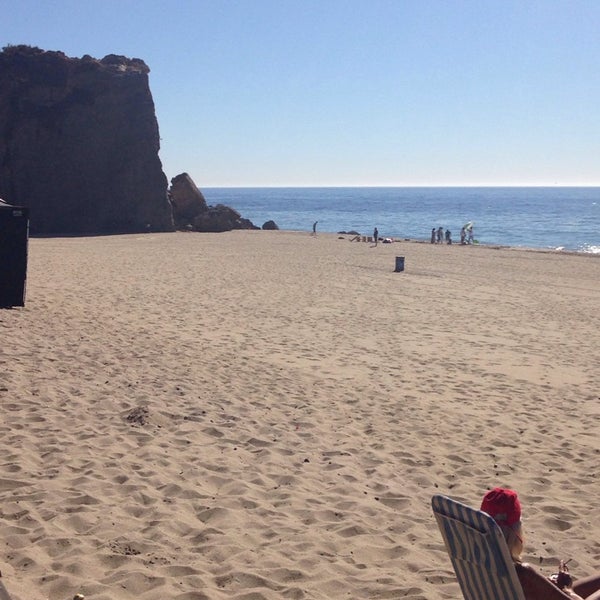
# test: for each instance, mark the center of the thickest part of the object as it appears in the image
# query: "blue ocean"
(565, 218)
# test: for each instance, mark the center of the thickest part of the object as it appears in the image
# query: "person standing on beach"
(463, 236)
(470, 239)
(433, 236)
(376, 235)
(315, 228)
(440, 235)
(448, 236)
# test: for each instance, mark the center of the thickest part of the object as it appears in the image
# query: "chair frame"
(4, 595)
(478, 551)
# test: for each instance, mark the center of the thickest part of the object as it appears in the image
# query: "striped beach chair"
(479, 554)
(4, 595)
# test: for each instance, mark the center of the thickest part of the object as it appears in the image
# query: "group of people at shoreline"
(438, 236)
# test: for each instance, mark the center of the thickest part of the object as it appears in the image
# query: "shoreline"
(327, 233)
(546, 218)
(479, 244)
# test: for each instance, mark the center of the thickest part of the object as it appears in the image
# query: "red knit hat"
(503, 505)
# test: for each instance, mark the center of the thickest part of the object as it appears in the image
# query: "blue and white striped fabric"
(479, 554)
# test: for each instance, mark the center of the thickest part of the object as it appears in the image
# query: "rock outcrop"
(186, 199)
(79, 143)
(191, 212)
(221, 218)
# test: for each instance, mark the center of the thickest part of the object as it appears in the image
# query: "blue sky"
(373, 92)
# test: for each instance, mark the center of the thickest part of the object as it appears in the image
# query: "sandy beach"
(263, 415)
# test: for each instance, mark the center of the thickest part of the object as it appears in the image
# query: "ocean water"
(557, 218)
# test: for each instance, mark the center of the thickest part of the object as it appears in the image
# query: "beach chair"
(4, 595)
(478, 551)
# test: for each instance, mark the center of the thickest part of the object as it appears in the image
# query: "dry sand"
(266, 415)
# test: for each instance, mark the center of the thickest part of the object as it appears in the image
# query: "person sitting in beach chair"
(504, 507)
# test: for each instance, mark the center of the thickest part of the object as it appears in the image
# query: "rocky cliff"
(79, 143)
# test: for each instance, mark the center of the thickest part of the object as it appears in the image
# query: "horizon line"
(333, 186)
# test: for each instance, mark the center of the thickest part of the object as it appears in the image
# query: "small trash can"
(14, 235)
(399, 264)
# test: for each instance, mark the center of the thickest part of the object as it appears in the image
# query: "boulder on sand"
(221, 218)
(186, 199)
(190, 211)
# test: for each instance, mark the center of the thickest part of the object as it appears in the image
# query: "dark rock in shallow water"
(270, 225)
(79, 143)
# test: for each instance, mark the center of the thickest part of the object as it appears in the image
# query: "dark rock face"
(191, 212)
(187, 200)
(221, 218)
(79, 143)
(270, 226)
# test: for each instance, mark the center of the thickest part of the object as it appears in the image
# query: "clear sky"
(370, 92)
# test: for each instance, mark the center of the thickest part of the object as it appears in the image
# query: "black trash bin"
(14, 236)
(399, 264)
